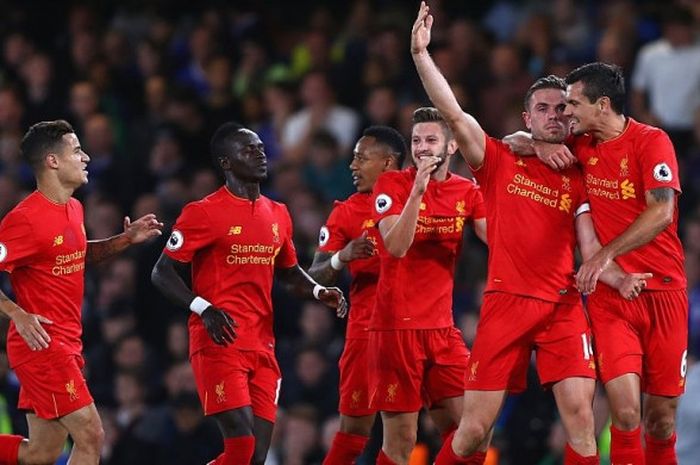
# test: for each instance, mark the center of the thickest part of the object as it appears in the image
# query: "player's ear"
(51, 160)
(527, 120)
(452, 146)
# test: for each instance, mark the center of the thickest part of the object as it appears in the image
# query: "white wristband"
(336, 263)
(198, 305)
(317, 290)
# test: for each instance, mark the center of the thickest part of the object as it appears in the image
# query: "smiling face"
(246, 160)
(70, 162)
(370, 159)
(582, 112)
(429, 140)
(545, 116)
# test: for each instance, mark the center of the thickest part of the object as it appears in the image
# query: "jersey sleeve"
(657, 160)
(332, 236)
(17, 244)
(388, 197)
(287, 256)
(192, 232)
(475, 200)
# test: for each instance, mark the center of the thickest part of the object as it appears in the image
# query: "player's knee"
(659, 426)
(470, 434)
(400, 444)
(627, 417)
(581, 417)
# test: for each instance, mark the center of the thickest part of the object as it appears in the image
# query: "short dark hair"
(431, 115)
(391, 138)
(221, 140)
(601, 80)
(42, 138)
(547, 82)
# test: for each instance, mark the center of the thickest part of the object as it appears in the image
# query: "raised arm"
(467, 131)
(656, 216)
(140, 230)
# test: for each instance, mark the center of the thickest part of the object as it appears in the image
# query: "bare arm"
(657, 215)
(322, 269)
(301, 284)
(140, 230)
(167, 278)
(467, 131)
(398, 231)
(629, 285)
(557, 156)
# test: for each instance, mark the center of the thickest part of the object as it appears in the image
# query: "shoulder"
(404, 176)
(460, 182)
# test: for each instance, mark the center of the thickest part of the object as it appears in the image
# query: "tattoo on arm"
(321, 269)
(104, 249)
(662, 194)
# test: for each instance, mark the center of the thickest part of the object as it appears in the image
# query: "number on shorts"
(277, 390)
(684, 363)
(587, 347)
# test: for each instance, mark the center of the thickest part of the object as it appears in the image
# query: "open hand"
(358, 248)
(420, 34)
(334, 298)
(29, 327)
(142, 229)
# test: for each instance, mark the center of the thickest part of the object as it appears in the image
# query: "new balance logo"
(235, 230)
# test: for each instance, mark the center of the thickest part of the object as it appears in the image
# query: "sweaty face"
(370, 159)
(248, 161)
(582, 112)
(72, 162)
(428, 139)
(545, 118)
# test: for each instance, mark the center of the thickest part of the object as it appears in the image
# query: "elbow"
(156, 277)
(396, 252)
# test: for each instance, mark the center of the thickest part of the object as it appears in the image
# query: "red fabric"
(626, 447)
(618, 173)
(354, 379)
(629, 333)
(531, 232)
(571, 457)
(503, 347)
(447, 456)
(661, 451)
(9, 448)
(234, 246)
(43, 246)
(423, 300)
(348, 220)
(345, 449)
(230, 379)
(383, 459)
(237, 451)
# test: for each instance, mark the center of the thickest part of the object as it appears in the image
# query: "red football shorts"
(647, 336)
(53, 386)
(354, 379)
(512, 326)
(230, 379)
(416, 367)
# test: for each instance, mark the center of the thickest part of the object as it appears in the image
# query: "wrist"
(337, 263)
(317, 291)
(198, 305)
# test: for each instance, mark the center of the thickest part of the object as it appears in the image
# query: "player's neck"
(611, 127)
(245, 190)
(54, 191)
(441, 173)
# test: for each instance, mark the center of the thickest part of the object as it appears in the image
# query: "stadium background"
(145, 83)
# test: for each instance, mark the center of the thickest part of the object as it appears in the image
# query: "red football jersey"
(415, 292)
(530, 215)
(346, 222)
(618, 172)
(43, 246)
(234, 245)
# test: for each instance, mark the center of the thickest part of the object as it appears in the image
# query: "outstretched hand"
(142, 229)
(219, 325)
(334, 298)
(420, 34)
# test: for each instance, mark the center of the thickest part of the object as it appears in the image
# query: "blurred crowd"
(145, 84)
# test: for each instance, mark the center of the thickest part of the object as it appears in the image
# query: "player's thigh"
(444, 378)
(235, 422)
(46, 440)
(84, 426)
(360, 425)
(262, 430)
